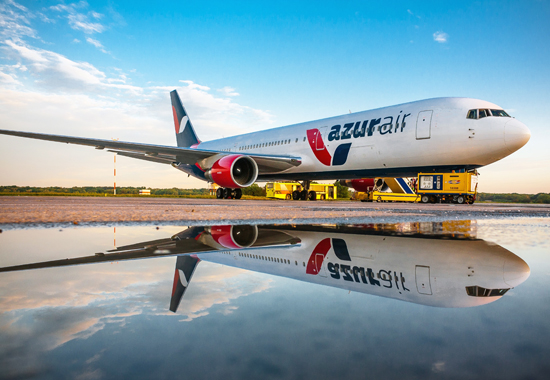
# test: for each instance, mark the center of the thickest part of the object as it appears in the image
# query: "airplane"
(404, 261)
(433, 135)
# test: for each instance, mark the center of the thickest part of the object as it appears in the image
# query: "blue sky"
(104, 69)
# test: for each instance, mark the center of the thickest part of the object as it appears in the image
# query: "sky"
(104, 69)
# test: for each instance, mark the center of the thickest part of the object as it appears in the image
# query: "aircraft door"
(423, 284)
(424, 125)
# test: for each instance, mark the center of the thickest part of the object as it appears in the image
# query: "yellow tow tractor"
(293, 190)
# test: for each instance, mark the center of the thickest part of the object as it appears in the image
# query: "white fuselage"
(434, 272)
(433, 134)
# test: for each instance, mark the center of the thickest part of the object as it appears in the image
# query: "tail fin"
(185, 134)
(185, 267)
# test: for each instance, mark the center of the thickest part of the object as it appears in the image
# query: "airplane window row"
(481, 113)
(266, 258)
(263, 145)
(478, 291)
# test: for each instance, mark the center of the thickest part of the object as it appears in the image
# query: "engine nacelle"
(233, 171)
(230, 237)
(362, 184)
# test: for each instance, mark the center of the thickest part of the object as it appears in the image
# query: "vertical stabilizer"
(185, 267)
(185, 134)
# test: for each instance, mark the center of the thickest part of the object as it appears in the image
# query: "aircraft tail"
(185, 267)
(185, 134)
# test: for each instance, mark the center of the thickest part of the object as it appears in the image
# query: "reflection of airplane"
(445, 270)
(440, 134)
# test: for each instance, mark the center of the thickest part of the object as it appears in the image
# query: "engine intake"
(233, 171)
(231, 237)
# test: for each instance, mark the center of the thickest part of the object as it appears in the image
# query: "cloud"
(80, 21)
(440, 37)
(96, 43)
(228, 91)
(54, 70)
(8, 79)
(15, 21)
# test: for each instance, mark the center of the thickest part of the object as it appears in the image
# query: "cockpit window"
(478, 291)
(500, 113)
(480, 114)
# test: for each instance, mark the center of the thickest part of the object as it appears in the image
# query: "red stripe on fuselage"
(317, 145)
(313, 264)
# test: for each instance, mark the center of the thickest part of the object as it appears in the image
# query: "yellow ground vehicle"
(447, 187)
(293, 190)
(426, 188)
(378, 196)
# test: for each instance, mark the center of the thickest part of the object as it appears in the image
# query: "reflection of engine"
(233, 171)
(231, 237)
(362, 184)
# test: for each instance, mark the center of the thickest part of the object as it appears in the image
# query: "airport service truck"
(288, 190)
(426, 188)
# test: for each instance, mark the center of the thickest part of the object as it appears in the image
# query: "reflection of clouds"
(42, 310)
(218, 286)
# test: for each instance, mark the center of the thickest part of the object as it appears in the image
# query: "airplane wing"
(267, 164)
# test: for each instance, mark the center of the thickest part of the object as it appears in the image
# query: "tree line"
(253, 190)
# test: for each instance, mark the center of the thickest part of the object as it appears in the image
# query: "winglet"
(185, 134)
(185, 267)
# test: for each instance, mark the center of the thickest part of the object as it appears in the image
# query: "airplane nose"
(516, 135)
(515, 271)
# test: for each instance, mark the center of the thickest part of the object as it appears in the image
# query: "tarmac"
(29, 211)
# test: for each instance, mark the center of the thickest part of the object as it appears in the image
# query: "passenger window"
(472, 114)
(296, 139)
(482, 114)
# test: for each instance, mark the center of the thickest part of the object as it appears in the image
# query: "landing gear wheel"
(460, 199)
(312, 195)
(303, 195)
(238, 194)
(227, 193)
(423, 199)
(219, 193)
(288, 197)
(295, 195)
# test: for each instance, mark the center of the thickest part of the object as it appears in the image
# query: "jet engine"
(233, 171)
(229, 237)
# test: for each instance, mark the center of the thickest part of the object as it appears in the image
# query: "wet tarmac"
(409, 291)
(27, 211)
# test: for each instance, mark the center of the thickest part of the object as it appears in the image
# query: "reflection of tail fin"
(185, 134)
(185, 266)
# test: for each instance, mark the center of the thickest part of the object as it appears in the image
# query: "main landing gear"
(304, 194)
(227, 193)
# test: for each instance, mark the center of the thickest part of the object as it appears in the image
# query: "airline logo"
(321, 152)
(350, 131)
(383, 278)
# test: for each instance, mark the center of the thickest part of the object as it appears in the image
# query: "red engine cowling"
(233, 171)
(362, 184)
(233, 237)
